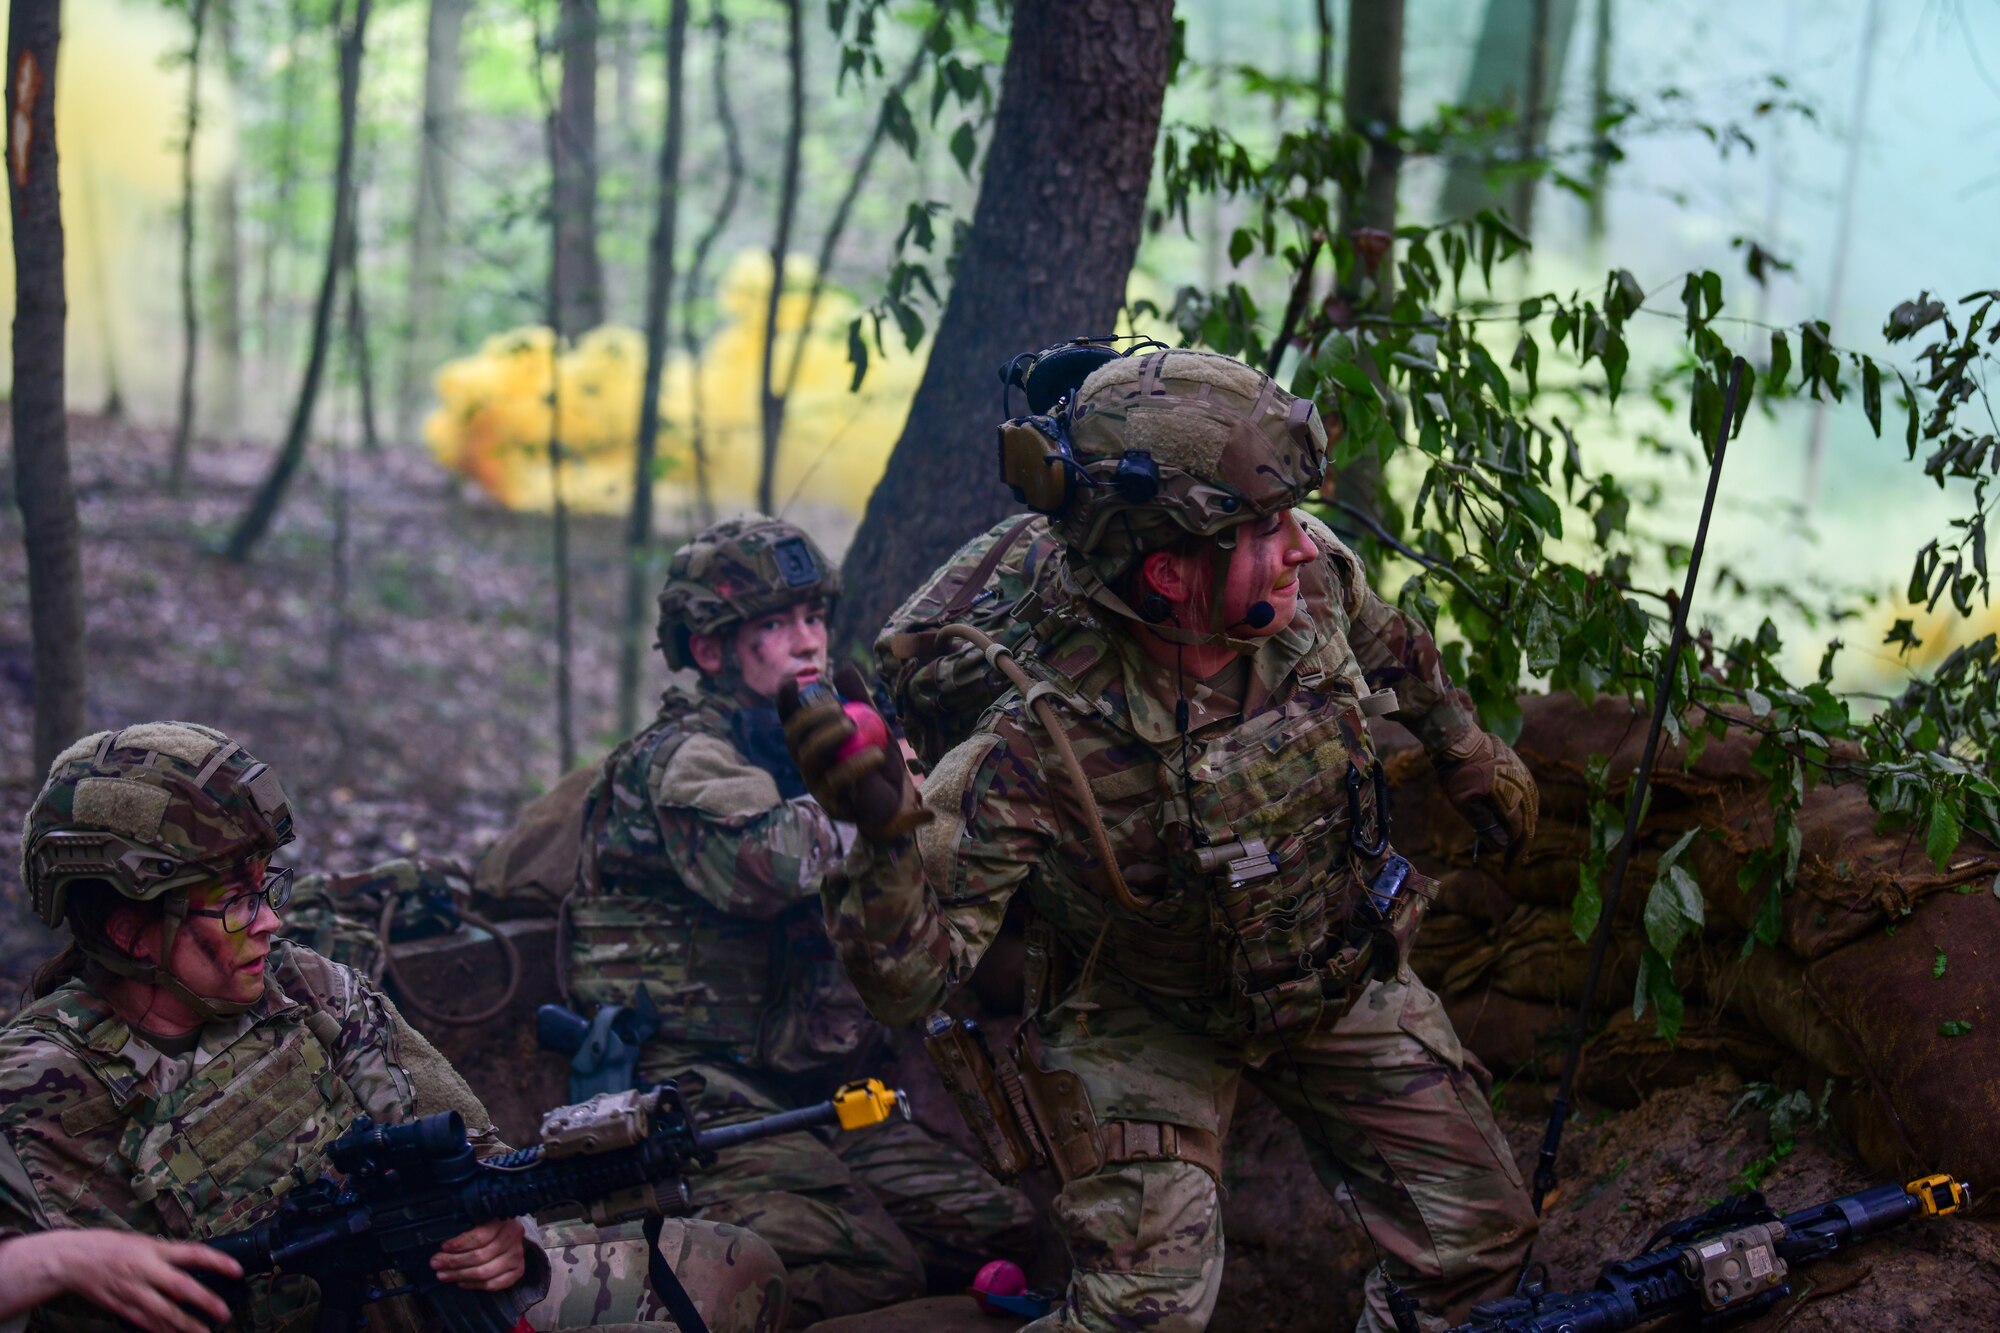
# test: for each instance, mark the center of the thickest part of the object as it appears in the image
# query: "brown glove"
(871, 787)
(1488, 784)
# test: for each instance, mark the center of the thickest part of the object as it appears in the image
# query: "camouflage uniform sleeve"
(912, 918)
(1397, 653)
(732, 839)
(47, 1173)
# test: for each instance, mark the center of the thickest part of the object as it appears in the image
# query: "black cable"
(1635, 801)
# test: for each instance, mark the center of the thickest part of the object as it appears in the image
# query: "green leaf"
(857, 354)
(964, 146)
(1871, 394)
(1954, 1027)
(1781, 357)
(1942, 835)
(1937, 965)
(1588, 905)
(1241, 243)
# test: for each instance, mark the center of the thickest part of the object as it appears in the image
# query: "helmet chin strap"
(208, 1008)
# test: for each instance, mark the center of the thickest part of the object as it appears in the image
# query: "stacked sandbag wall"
(1881, 982)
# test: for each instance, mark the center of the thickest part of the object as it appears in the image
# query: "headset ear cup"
(1032, 464)
(1153, 608)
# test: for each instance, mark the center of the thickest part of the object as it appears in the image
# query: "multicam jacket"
(1278, 753)
(98, 1128)
(701, 881)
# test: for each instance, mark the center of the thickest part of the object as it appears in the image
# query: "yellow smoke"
(492, 422)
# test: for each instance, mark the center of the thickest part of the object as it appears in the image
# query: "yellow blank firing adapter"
(1937, 1195)
(869, 1102)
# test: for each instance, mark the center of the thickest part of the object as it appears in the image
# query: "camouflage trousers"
(1388, 1090)
(599, 1278)
(861, 1219)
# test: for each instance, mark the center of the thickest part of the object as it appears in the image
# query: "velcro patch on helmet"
(183, 740)
(83, 749)
(796, 565)
(132, 809)
(1177, 438)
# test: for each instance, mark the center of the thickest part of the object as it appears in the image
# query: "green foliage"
(1486, 395)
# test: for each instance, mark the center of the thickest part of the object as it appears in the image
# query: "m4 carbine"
(1728, 1263)
(404, 1190)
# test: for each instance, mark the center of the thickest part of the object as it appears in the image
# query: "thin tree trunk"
(732, 188)
(838, 226)
(1047, 255)
(580, 276)
(1534, 115)
(190, 312)
(771, 402)
(426, 345)
(42, 485)
(659, 286)
(1323, 85)
(225, 268)
(107, 302)
(357, 333)
(291, 110)
(559, 512)
(1374, 107)
(1843, 237)
(1600, 111)
(256, 520)
(1497, 78)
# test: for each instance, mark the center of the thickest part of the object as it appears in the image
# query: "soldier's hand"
(487, 1258)
(1489, 785)
(141, 1279)
(867, 785)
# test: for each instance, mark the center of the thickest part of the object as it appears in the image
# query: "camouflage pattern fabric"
(739, 568)
(700, 884)
(599, 1277)
(1159, 1011)
(861, 1219)
(337, 916)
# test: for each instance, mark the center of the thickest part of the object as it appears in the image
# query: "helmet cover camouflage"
(740, 568)
(150, 809)
(1229, 444)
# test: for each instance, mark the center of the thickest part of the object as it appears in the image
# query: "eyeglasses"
(237, 914)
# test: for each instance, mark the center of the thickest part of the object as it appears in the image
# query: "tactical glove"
(1488, 784)
(869, 787)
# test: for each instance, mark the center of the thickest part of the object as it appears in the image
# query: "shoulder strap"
(968, 592)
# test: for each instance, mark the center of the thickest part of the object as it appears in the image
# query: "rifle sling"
(667, 1286)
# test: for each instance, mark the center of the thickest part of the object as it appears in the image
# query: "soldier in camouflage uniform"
(1207, 893)
(180, 1070)
(700, 880)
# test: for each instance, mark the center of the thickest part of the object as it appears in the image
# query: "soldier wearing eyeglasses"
(179, 1069)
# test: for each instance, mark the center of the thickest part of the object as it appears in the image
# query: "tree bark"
(256, 520)
(769, 399)
(1497, 78)
(279, 233)
(226, 270)
(426, 345)
(1051, 244)
(725, 208)
(579, 273)
(659, 287)
(357, 333)
(42, 484)
(1600, 110)
(190, 313)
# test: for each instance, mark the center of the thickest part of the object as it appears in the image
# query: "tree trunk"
(42, 485)
(1600, 111)
(426, 345)
(579, 275)
(1533, 124)
(226, 271)
(1498, 78)
(659, 286)
(1374, 107)
(1046, 258)
(279, 233)
(357, 333)
(725, 208)
(256, 520)
(769, 399)
(190, 314)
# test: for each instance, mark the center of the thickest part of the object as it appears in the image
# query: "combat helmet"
(153, 810)
(1155, 446)
(740, 568)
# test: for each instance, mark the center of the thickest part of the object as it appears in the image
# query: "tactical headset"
(1037, 461)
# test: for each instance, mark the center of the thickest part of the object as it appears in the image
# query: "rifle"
(1728, 1263)
(404, 1190)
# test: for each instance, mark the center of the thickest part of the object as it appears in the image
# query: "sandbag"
(1628, 1061)
(1535, 955)
(1768, 991)
(1928, 1045)
(1512, 1038)
(531, 869)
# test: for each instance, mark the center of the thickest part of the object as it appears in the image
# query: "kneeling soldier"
(180, 1070)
